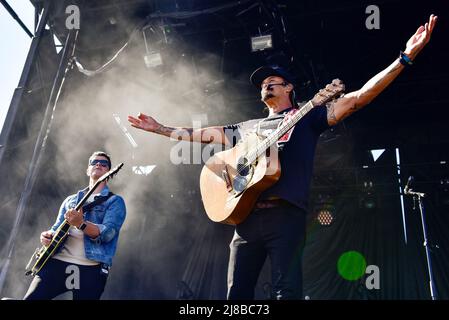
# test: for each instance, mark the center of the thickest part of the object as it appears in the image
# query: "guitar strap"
(87, 207)
(287, 135)
(97, 201)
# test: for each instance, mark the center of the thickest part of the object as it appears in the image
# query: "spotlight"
(153, 42)
(368, 200)
(324, 209)
(368, 185)
(153, 60)
(325, 217)
(261, 43)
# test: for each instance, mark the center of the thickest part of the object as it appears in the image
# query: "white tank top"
(73, 251)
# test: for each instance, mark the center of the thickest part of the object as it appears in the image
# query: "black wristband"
(82, 226)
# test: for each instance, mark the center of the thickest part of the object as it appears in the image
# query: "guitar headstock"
(332, 91)
(110, 174)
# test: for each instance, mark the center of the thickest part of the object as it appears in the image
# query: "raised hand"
(144, 122)
(420, 38)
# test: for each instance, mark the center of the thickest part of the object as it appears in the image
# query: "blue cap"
(267, 71)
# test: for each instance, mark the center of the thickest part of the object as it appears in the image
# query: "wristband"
(82, 226)
(404, 59)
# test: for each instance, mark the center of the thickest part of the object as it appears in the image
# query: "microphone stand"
(420, 196)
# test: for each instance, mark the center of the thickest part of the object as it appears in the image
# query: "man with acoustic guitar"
(82, 263)
(276, 225)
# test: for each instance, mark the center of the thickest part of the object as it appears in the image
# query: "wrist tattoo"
(176, 133)
(331, 118)
(181, 134)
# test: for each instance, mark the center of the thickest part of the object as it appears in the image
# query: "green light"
(351, 265)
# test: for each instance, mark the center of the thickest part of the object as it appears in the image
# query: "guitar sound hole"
(243, 167)
(242, 178)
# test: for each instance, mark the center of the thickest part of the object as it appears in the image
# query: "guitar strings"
(288, 124)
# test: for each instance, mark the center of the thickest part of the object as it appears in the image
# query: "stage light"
(153, 60)
(368, 200)
(376, 153)
(261, 43)
(153, 41)
(325, 217)
(324, 209)
(143, 170)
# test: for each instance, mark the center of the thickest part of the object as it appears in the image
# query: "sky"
(15, 45)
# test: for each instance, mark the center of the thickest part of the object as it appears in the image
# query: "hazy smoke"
(163, 207)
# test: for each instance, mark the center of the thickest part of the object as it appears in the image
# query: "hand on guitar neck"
(73, 217)
(332, 91)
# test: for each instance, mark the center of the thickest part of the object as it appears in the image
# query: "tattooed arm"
(353, 101)
(203, 135)
(343, 107)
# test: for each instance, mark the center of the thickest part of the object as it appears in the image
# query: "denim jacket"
(108, 216)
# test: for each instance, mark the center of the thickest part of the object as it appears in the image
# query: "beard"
(267, 96)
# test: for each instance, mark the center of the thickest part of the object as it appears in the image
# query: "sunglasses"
(103, 163)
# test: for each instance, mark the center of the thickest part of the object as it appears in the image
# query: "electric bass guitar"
(41, 256)
(232, 180)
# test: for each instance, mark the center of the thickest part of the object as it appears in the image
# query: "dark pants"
(57, 277)
(277, 232)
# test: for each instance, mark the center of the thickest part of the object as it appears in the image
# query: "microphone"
(408, 185)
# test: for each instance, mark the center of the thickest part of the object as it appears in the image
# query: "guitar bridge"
(28, 268)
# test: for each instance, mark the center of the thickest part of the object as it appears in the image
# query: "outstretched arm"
(203, 135)
(353, 101)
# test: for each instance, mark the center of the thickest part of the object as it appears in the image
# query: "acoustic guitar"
(232, 180)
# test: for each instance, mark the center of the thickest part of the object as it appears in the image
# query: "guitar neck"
(279, 132)
(87, 195)
(102, 179)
